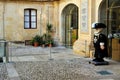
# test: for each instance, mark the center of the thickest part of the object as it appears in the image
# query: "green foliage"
(36, 38)
(116, 35)
(45, 38)
(49, 28)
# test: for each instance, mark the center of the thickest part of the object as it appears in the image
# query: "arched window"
(114, 16)
(30, 18)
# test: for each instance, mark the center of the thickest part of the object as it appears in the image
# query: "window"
(30, 18)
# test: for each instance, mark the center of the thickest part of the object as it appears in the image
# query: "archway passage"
(70, 25)
(112, 19)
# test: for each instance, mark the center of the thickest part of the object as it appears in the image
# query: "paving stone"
(3, 72)
(32, 63)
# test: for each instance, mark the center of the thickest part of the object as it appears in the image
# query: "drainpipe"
(48, 13)
(41, 22)
(4, 19)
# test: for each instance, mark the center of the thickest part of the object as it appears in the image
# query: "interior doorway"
(70, 25)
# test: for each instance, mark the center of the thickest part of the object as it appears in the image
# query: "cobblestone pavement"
(29, 63)
(75, 69)
(3, 72)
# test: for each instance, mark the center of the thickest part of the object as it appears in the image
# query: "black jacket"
(99, 53)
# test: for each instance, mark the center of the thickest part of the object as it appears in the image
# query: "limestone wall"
(14, 19)
(83, 45)
(1, 21)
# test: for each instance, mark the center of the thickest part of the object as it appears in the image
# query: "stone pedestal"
(81, 48)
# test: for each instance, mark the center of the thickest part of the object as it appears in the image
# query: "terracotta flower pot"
(36, 44)
(50, 45)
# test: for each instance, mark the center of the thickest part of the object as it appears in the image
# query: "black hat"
(98, 25)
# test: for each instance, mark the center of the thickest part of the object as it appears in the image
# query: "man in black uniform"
(100, 42)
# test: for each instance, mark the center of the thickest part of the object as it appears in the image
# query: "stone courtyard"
(56, 63)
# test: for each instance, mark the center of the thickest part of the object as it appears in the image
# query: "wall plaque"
(84, 16)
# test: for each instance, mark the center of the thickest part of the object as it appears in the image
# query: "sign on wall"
(84, 16)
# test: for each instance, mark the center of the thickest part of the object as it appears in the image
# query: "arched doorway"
(112, 19)
(69, 25)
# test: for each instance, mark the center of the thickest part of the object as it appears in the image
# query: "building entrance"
(70, 25)
(112, 19)
(114, 27)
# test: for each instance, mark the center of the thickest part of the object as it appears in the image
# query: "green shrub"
(36, 38)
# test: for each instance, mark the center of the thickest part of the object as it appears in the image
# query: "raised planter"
(116, 49)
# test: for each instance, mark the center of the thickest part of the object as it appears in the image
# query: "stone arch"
(109, 11)
(69, 29)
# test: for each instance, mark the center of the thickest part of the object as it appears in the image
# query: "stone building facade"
(12, 18)
(20, 20)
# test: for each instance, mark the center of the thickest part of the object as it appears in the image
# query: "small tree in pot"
(36, 40)
(49, 35)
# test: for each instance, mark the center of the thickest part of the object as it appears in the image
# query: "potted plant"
(47, 39)
(36, 40)
(49, 28)
(50, 42)
(49, 34)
